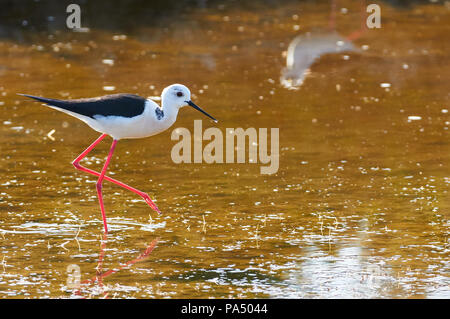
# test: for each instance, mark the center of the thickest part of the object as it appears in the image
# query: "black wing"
(126, 105)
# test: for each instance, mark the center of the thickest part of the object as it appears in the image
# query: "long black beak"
(190, 103)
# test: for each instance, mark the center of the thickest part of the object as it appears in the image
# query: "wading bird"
(123, 116)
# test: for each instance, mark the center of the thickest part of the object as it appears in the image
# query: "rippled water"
(358, 208)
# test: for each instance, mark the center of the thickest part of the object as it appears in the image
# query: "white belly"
(133, 127)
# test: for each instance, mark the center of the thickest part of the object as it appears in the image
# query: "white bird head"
(178, 95)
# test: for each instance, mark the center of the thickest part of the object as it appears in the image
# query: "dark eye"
(179, 94)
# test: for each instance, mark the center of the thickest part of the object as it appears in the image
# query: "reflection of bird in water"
(304, 50)
(98, 278)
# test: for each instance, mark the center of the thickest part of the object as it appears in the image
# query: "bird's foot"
(150, 202)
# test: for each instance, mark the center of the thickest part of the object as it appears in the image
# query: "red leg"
(77, 165)
(100, 181)
(363, 28)
(86, 152)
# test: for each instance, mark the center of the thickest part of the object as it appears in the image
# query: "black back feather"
(126, 105)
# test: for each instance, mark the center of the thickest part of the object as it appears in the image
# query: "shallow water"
(359, 207)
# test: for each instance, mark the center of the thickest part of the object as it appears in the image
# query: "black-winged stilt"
(123, 116)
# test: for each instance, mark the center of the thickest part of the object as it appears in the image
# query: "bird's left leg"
(77, 165)
(100, 181)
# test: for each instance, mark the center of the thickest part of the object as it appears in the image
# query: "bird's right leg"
(77, 165)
